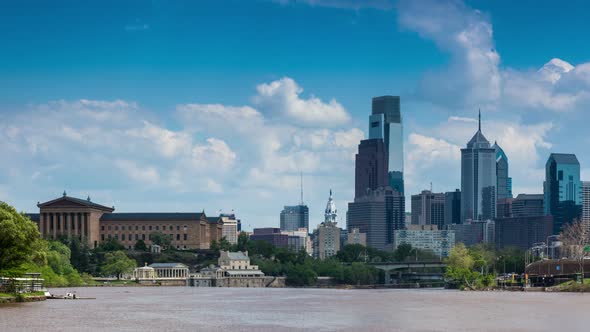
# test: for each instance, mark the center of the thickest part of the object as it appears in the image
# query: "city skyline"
(151, 110)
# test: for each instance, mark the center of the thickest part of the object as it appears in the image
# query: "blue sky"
(217, 105)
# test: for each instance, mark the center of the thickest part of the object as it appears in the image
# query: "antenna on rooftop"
(301, 175)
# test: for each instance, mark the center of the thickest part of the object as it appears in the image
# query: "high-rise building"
(478, 179)
(503, 181)
(370, 166)
(453, 207)
(386, 124)
(270, 235)
(474, 232)
(504, 207)
(326, 238)
(523, 231)
(528, 205)
(586, 203)
(428, 208)
(427, 237)
(378, 214)
(230, 227)
(562, 189)
(294, 218)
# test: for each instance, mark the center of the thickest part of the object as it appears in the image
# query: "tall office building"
(428, 208)
(478, 179)
(370, 166)
(377, 214)
(453, 207)
(294, 217)
(528, 205)
(586, 203)
(503, 181)
(562, 189)
(386, 123)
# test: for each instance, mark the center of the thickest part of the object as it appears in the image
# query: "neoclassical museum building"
(72, 216)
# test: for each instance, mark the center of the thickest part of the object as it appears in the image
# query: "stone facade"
(69, 216)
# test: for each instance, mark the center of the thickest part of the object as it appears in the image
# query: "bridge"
(399, 272)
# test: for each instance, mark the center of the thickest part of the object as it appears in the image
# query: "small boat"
(68, 296)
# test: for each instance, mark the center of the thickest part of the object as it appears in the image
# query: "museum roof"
(152, 216)
(85, 202)
(168, 265)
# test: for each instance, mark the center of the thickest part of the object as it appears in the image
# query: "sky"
(220, 105)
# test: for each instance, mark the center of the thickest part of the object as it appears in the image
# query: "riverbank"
(27, 297)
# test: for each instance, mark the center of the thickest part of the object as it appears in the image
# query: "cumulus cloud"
(344, 4)
(282, 97)
(474, 76)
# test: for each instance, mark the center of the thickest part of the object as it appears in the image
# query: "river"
(289, 309)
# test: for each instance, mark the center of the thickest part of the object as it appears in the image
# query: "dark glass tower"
(504, 182)
(562, 189)
(386, 123)
(295, 217)
(370, 166)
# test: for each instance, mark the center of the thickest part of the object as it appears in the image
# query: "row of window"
(157, 227)
(130, 237)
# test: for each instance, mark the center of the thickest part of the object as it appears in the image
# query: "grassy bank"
(24, 297)
(572, 286)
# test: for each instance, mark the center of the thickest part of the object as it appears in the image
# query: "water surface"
(288, 309)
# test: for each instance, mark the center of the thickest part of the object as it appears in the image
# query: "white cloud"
(282, 97)
(473, 76)
(215, 154)
(142, 174)
(344, 4)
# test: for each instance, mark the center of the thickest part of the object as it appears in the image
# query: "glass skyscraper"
(478, 179)
(562, 189)
(504, 182)
(386, 123)
(294, 217)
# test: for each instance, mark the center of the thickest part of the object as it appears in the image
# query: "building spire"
(301, 175)
(479, 122)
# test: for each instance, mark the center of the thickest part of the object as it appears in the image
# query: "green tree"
(117, 263)
(301, 275)
(243, 240)
(17, 236)
(110, 244)
(140, 245)
(161, 239)
(352, 253)
(402, 252)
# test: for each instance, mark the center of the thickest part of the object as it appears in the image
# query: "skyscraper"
(428, 208)
(478, 178)
(386, 123)
(503, 181)
(378, 214)
(586, 203)
(453, 207)
(294, 217)
(370, 166)
(562, 189)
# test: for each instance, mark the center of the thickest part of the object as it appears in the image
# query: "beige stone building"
(70, 216)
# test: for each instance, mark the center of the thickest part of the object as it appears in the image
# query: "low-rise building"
(426, 237)
(95, 223)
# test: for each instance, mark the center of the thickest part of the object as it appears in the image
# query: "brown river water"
(289, 309)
